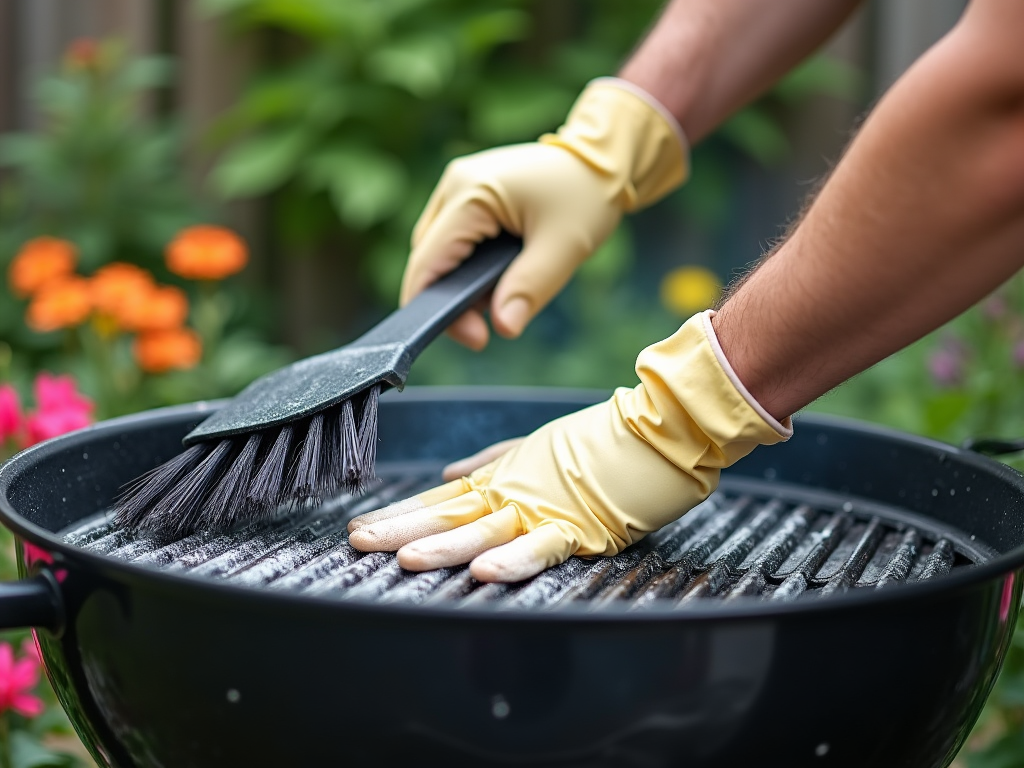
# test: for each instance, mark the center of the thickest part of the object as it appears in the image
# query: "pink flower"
(995, 307)
(58, 393)
(946, 367)
(17, 679)
(10, 412)
(948, 362)
(43, 425)
(60, 408)
(35, 554)
(30, 648)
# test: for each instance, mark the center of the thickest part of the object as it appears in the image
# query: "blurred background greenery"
(317, 128)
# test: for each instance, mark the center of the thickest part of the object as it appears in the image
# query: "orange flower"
(160, 351)
(60, 304)
(119, 284)
(83, 53)
(206, 253)
(161, 309)
(40, 261)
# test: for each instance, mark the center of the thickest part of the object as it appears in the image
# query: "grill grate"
(749, 540)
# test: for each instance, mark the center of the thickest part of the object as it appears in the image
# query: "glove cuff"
(785, 427)
(622, 132)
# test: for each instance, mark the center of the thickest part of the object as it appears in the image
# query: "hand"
(592, 482)
(564, 194)
(470, 464)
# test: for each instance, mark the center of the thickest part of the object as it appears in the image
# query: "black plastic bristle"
(180, 509)
(368, 435)
(229, 503)
(267, 488)
(351, 456)
(137, 500)
(219, 485)
(305, 478)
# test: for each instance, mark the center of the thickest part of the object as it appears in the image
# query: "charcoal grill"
(843, 599)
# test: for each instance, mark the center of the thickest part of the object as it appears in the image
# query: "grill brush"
(309, 430)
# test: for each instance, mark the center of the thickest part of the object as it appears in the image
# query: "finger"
(534, 277)
(525, 556)
(470, 330)
(428, 498)
(461, 544)
(394, 533)
(468, 465)
(463, 222)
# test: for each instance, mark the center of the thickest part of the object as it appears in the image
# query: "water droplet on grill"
(499, 707)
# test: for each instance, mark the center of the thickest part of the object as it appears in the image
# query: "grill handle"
(993, 446)
(34, 602)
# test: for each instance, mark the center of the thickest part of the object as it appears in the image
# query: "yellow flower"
(688, 290)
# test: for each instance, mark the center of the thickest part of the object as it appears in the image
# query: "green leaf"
(316, 19)
(486, 30)
(366, 185)
(517, 110)
(260, 164)
(26, 752)
(612, 260)
(421, 65)
(821, 76)
(944, 410)
(149, 72)
(754, 132)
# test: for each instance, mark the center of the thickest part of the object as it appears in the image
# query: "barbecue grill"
(844, 599)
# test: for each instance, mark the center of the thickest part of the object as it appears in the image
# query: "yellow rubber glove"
(592, 482)
(618, 151)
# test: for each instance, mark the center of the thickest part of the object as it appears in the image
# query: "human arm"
(621, 149)
(922, 217)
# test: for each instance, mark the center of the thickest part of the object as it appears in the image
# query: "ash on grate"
(749, 540)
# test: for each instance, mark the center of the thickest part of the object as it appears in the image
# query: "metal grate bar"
(723, 570)
(417, 588)
(733, 546)
(939, 562)
(902, 560)
(673, 580)
(851, 570)
(351, 575)
(797, 582)
(774, 551)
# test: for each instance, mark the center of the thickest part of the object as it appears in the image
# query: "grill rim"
(1001, 565)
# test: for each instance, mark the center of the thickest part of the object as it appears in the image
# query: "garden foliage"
(342, 131)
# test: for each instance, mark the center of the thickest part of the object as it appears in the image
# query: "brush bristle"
(267, 488)
(228, 503)
(351, 458)
(305, 478)
(368, 435)
(180, 510)
(138, 498)
(217, 486)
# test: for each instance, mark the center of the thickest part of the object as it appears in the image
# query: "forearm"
(923, 217)
(706, 58)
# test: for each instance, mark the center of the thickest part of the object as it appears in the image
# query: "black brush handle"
(420, 321)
